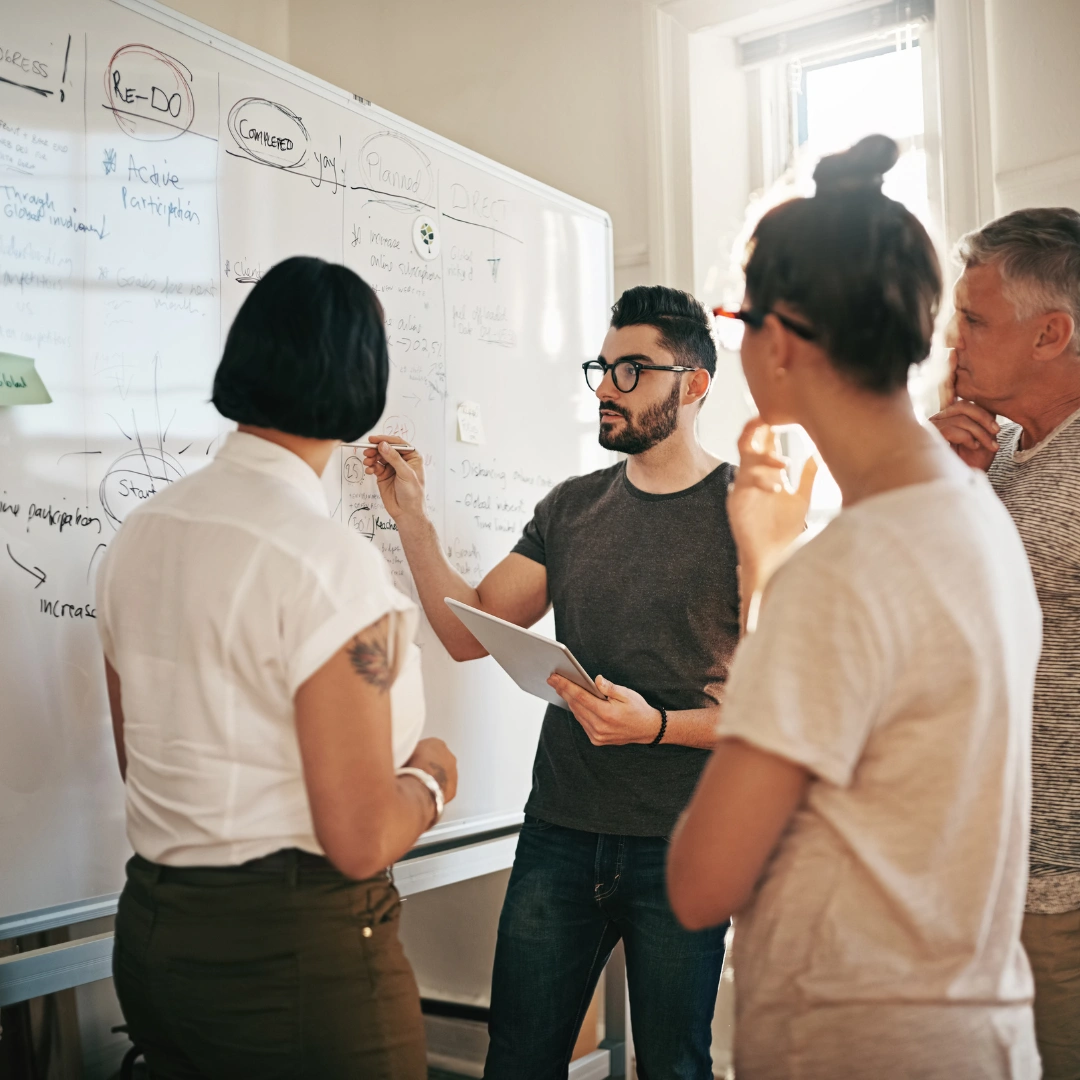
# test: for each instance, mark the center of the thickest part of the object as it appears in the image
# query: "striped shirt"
(1041, 489)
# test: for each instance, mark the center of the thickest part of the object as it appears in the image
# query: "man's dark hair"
(681, 321)
(856, 266)
(306, 354)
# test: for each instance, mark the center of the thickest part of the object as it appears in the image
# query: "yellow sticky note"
(470, 426)
(20, 384)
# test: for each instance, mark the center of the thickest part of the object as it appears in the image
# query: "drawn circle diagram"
(354, 470)
(362, 520)
(401, 426)
(269, 133)
(149, 93)
(134, 477)
(392, 164)
(425, 237)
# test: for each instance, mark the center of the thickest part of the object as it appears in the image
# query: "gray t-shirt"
(1041, 489)
(645, 593)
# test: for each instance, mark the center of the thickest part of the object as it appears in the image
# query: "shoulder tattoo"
(367, 653)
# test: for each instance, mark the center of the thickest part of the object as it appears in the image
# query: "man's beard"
(653, 426)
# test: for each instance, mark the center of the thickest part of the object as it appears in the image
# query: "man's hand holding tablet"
(622, 716)
(611, 715)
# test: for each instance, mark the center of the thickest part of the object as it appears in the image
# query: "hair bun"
(862, 168)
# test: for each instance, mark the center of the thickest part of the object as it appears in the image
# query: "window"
(838, 102)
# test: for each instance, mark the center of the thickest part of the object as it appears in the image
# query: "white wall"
(553, 89)
(720, 188)
(449, 936)
(263, 24)
(1035, 91)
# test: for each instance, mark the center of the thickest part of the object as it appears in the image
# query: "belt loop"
(156, 872)
(292, 866)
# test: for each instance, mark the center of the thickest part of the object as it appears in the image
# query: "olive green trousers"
(280, 968)
(1053, 947)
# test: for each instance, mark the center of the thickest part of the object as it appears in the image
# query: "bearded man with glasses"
(639, 563)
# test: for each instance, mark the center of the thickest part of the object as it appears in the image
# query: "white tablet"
(527, 657)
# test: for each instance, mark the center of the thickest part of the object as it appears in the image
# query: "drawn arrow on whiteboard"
(411, 397)
(36, 572)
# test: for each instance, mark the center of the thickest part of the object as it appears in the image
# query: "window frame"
(775, 105)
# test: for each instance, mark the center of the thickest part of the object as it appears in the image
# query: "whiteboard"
(150, 172)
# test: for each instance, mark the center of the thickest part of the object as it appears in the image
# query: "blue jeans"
(572, 896)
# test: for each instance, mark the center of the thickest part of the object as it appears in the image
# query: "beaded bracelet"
(663, 726)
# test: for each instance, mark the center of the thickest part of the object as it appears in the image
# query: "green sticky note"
(20, 384)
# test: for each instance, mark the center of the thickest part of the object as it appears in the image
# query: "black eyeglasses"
(624, 373)
(755, 318)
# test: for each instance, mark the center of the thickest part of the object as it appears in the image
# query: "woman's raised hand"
(766, 512)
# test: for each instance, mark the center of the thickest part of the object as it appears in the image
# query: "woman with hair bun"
(865, 813)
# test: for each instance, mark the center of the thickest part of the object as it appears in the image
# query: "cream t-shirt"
(217, 600)
(894, 657)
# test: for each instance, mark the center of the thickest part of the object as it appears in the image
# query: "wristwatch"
(431, 784)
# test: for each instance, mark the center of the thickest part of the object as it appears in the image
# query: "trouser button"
(367, 931)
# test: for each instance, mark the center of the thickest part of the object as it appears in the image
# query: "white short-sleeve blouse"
(217, 599)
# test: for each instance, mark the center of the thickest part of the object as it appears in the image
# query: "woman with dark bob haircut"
(267, 705)
(865, 813)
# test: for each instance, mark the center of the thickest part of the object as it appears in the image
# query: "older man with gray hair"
(1015, 339)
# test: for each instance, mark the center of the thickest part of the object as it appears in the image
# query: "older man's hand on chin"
(968, 428)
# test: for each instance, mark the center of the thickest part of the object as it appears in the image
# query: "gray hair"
(1038, 254)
